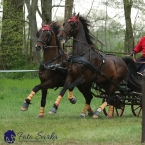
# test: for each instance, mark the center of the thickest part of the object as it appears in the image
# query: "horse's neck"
(80, 43)
(81, 47)
(51, 52)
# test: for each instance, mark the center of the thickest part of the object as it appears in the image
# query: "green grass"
(69, 128)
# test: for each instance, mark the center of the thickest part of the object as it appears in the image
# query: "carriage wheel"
(136, 109)
(119, 109)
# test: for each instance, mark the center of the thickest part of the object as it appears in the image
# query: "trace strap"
(18, 70)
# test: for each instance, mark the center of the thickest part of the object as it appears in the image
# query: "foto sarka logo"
(9, 136)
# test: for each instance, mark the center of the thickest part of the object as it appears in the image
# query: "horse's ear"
(53, 23)
(78, 15)
(37, 35)
(42, 24)
(74, 14)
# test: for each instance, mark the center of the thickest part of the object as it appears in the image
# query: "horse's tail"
(132, 77)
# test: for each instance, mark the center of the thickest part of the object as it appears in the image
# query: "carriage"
(121, 99)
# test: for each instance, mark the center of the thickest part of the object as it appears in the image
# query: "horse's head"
(70, 28)
(43, 36)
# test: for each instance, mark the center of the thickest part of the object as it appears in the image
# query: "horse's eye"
(48, 33)
(75, 24)
(71, 24)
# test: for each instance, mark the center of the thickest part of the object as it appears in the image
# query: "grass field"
(65, 127)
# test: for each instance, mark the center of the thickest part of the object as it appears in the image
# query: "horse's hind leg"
(100, 109)
(86, 91)
(43, 103)
(26, 103)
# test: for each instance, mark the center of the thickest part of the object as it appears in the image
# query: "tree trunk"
(33, 29)
(129, 40)
(67, 14)
(46, 6)
(68, 9)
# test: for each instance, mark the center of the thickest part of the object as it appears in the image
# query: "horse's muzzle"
(62, 39)
(38, 48)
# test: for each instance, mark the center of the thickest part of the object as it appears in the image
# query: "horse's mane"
(90, 38)
(55, 27)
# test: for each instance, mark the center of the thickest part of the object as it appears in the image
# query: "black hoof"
(73, 100)
(40, 116)
(24, 106)
(91, 113)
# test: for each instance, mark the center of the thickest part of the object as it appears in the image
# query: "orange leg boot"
(90, 111)
(71, 97)
(26, 103)
(41, 113)
(110, 111)
(99, 110)
(83, 114)
(55, 106)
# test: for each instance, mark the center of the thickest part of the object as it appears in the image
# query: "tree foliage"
(12, 34)
(18, 37)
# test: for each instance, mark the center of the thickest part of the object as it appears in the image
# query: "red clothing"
(140, 46)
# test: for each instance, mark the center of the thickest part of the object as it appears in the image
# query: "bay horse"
(52, 70)
(87, 64)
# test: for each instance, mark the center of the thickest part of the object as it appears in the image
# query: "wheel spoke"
(139, 112)
(136, 109)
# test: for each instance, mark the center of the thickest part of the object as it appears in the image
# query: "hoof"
(40, 116)
(52, 111)
(82, 115)
(73, 100)
(109, 116)
(24, 106)
(91, 113)
(95, 116)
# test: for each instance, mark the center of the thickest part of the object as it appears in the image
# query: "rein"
(135, 60)
(50, 66)
(81, 42)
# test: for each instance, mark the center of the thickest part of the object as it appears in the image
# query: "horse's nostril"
(60, 37)
(38, 48)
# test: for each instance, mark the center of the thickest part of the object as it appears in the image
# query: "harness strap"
(86, 62)
(82, 60)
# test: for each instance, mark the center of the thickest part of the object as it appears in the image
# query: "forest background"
(117, 24)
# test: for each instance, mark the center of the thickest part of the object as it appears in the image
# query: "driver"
(140, 47)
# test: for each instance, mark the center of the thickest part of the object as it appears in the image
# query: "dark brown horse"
(52, 71)
(88, 65)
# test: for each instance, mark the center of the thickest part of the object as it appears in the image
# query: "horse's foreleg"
(26, 103)
(71, 97)
(43, 103)
(59, 98)
(68, 85)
